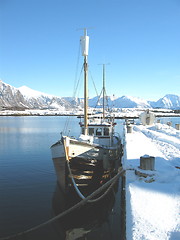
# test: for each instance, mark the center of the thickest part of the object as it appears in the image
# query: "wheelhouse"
(98, 130)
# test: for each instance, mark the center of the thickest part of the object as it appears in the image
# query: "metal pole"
(85, 96)
(103, 91)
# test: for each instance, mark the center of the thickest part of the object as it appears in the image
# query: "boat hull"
(90, 165)
(59, 161)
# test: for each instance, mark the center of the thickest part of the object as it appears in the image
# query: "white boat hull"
(59, 161)
(83, 158)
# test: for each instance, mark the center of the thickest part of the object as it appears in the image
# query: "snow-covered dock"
(152, 202)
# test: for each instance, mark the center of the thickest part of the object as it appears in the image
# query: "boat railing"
(116, 134)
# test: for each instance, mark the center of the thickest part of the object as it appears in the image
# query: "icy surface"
(153, 203)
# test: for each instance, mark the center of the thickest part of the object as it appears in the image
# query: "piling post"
(147, 162)
(169, 124)
(129, 128)
(177, 126)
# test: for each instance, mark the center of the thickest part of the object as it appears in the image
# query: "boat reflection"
(99, 220)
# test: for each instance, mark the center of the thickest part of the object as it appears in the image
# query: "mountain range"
(26, 98)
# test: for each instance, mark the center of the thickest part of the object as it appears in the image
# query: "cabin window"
(99, 131)
(106, 131)
(91, 131)
(82, 129)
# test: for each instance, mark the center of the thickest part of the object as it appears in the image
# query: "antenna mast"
(85, 47)
(104, 89)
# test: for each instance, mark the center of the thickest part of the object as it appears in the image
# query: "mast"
(103, 91)
(85, 96)
(85, 47)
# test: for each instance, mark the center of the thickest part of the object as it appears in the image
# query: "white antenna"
(85, 47)
(84, 43)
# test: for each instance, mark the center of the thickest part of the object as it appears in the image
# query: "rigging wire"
(69, 118)
(76, 83)
(80, 193)
(98, 101)
(106, 98)
(93, 83)
(77, 66)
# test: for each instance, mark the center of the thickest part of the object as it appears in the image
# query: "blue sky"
(39, 45)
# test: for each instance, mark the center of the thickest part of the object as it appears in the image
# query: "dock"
(152, 198)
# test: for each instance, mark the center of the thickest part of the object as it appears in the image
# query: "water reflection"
(91, 221)
(27, 181)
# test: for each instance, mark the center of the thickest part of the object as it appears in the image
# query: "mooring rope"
(80, 193)
(79, 204)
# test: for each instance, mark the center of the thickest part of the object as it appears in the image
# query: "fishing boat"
(94, 157)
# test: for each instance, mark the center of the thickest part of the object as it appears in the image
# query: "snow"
(55, 105)
(168, 101)
(86, 138)
(29, 93)
(131, 102)
(153, 203)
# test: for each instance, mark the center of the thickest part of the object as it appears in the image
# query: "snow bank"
(155, 211)
(153, 203)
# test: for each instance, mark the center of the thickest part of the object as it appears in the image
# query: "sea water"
(27, 176)
(28, 186)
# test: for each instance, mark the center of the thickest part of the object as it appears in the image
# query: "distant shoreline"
(124, 114)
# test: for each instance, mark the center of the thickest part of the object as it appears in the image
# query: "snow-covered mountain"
(11, 97)
(121, 102)
(26, 98)
(131, 102)
(169, 101)
(41, 100)
(97, 102)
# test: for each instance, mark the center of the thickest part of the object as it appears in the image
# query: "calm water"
(28, 190)
(173, 120)
(27, 177)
